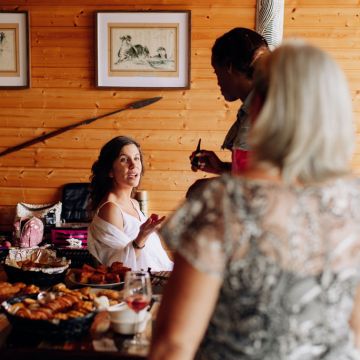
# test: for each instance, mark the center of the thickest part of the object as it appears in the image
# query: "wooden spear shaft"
(135, 105)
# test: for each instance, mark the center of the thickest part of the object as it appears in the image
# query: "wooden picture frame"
(14, 50)
(143, 49)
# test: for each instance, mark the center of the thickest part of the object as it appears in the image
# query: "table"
(15, 344)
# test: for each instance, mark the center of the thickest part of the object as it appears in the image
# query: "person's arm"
(152, 224)
(209, 162)
(187, 305)
(355, 318)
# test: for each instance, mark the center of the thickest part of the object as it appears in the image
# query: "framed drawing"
(138, 50)
(14, 50)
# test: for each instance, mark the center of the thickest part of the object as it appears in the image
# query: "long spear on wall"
(134, 105)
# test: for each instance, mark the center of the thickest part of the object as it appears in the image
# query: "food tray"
(71, 278)
(53, 330)
(35, 266)
(33, 277)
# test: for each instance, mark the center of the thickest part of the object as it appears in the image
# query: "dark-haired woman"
(233, 57)
(119, 230)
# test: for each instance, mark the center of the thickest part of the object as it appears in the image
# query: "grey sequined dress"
(289, 258)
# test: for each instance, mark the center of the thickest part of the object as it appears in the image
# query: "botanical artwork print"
(8, 49)
(137, 49)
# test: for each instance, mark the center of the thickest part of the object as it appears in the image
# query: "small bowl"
(122, 313)
(128, 328)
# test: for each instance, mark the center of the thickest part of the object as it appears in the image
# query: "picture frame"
(143, 49)
(14, 50)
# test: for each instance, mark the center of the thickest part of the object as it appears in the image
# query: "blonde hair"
(305, 126)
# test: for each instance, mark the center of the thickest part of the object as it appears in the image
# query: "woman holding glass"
(119, 231)
(267, 264)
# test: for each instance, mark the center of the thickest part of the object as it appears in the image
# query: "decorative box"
(59, 236)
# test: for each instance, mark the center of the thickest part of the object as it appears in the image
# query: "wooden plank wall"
(63, 92)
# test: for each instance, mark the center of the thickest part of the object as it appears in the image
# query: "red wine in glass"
(137, 294)
(138, 302)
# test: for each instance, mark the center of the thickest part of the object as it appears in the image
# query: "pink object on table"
(60, 236)
(31, 233)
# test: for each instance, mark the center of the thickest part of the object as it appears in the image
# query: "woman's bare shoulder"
(111, 212)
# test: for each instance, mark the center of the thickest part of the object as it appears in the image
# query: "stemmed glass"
(137, 294)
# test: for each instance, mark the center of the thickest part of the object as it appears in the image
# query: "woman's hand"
(207, 161)
(152, 224)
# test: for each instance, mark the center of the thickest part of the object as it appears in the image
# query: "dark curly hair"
(100, 181)
(238, 48)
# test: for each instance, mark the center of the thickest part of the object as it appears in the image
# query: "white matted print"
(9, 50)
(143, 49)
(14, 50)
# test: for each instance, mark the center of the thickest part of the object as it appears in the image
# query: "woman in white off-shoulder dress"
(119, 231)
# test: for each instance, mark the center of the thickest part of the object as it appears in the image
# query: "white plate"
(71, 278)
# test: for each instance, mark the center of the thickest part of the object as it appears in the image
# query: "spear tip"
(145, 102)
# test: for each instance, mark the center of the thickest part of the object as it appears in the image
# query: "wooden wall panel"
(334, 26)
(63, 92)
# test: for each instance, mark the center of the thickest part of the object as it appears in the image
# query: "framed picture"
(138, 50)
(14, 50)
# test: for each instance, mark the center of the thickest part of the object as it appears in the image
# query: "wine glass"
(137, 295)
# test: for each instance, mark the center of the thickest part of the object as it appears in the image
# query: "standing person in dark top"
(234, 55)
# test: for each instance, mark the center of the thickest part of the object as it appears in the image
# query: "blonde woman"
(267, 264)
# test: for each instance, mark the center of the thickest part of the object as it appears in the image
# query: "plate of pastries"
(100, 276)
(9, 290)
(59, 312)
